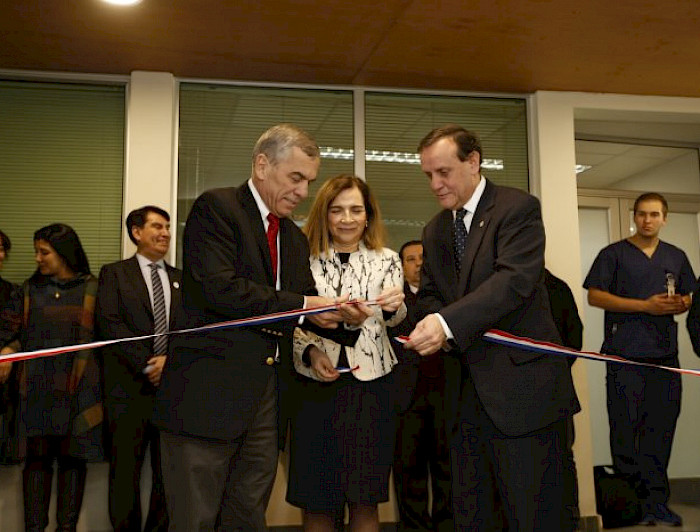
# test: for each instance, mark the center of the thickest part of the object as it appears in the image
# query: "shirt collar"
(264, 211)
(473, 202)
(145, 261)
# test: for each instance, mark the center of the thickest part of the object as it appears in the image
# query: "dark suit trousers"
(131, 434)
(422, 456)
(507, 483)
(643, 407)
(223, 485)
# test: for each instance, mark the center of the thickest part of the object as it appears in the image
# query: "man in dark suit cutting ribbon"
(483, 268)
(218, 399)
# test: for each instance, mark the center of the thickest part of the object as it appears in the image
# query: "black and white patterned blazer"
(366, 274)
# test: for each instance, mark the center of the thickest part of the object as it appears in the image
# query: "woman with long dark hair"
(60, 410)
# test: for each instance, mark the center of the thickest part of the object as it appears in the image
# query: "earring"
(366, 223)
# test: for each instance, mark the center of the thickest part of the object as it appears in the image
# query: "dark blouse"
(60, 395)
(9, 325)
(9, 321)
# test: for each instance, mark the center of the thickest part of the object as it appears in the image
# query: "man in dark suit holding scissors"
(218, 400)
(137, 296)
(483, 268)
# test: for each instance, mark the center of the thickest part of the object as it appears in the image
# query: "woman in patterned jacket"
(60, 409)
(342, 435)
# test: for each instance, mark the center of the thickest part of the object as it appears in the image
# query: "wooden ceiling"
(509, 46)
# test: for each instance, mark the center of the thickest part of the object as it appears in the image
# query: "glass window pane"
(219, 126)
(396, 123)
(61, 160)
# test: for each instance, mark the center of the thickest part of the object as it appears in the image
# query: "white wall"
(151, 145)
(552, 127)
(554, 153)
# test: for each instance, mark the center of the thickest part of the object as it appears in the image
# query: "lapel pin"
(176, 285)
(481, 223)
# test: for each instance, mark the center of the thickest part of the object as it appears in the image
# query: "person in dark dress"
(60, 399)
(342, 433)
(9, 293)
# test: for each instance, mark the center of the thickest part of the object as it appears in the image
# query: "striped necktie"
(160, 320)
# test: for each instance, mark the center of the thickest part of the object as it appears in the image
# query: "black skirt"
(342, 444)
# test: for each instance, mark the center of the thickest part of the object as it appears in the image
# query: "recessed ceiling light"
(122, 2)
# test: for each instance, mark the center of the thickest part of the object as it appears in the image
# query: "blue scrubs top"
(624, 270)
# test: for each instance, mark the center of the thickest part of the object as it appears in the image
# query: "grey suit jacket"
(501, 287)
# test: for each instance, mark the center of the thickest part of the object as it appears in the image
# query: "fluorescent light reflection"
(386, 156)
(580, 168)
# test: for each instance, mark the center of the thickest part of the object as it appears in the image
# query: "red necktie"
(272, 231)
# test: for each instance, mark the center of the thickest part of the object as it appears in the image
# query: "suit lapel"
(247, 201)
(175, 294)
(477, 230)
(445, 246)
(286, 254)
(133, 271)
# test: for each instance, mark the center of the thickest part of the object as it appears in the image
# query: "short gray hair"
(277, 141)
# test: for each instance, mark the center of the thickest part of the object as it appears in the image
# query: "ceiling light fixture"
(580, 168)
(386, 156)
(122, 2)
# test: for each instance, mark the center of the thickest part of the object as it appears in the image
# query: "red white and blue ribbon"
(547, 348)
(536, 346)
(244, 322)
(492, 335)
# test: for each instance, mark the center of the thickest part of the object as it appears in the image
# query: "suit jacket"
(693, 321)
(212, 382)
(366, 274)
(413, 368)
(501, 287)
(124, 310)
(564, 312)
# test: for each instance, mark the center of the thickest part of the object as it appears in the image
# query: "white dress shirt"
(470, 206)
(264, 211)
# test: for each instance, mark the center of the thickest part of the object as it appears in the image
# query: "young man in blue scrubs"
(642, 282)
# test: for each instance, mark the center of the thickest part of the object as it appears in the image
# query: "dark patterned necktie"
(460, 239)
(272, 230)
(160, 321)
